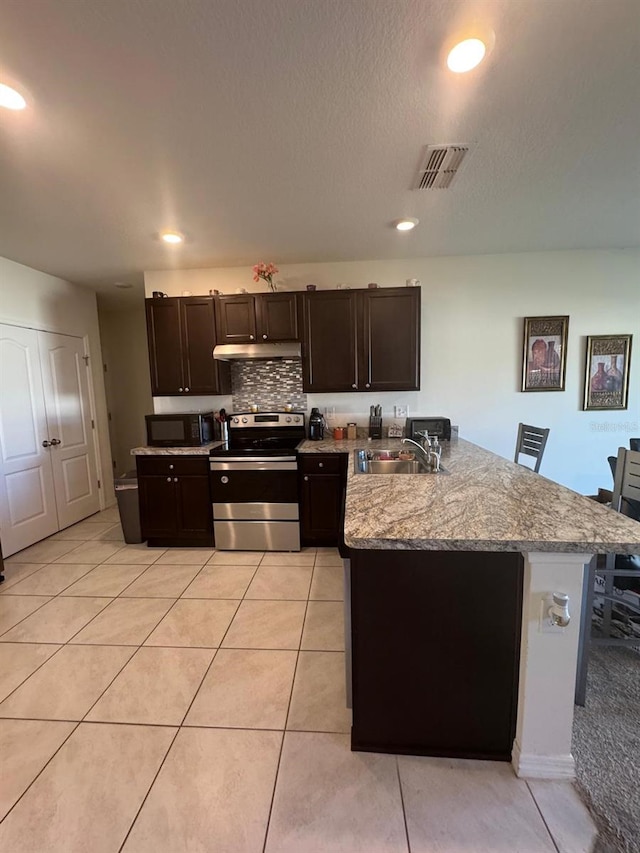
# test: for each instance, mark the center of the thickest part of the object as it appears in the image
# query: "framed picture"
(545, 353)
(606, 375)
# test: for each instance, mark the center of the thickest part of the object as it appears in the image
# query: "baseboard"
(530, 766)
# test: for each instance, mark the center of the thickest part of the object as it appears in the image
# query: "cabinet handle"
(367, 385)
(224, 479)
(320, 464)
(168, 479)
(354, 385)
(264, 337)
(306, 479)
(186, 389)
(250, 337)
(175, 479)
(171, 467)
(179, 389)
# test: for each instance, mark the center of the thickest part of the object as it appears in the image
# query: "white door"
(27, 501)
(66, 394)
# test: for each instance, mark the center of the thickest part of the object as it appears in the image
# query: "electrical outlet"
(400, 411)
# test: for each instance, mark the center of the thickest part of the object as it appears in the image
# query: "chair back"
(626, 484)
(634, 443)
(532, 442)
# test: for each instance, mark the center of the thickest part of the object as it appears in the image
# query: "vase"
(614, 377)
(599, 378)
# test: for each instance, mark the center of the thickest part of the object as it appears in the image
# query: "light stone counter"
(200, 450)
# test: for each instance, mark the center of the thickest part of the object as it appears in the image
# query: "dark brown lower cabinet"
(323, 477)
(435, 652)
(175, 503)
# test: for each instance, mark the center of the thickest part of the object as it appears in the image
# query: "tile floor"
(193, 700)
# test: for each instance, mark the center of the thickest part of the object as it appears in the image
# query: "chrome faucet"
(431, 454)
(422, 449)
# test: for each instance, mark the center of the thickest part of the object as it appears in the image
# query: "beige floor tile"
(90, 552)
(469, 805)
(15, 608)
(68, 684)
(213, 793)
(196, 623)
(245, 688)
(156, 687)
(135, 555)
(110, 514)
(220, 582)
(113, 534)
(83, 531)
(331, 799)
(162, 582)
(105, 580)
(319, 700)
(324, 626)
(18, 661)
(236, 558)
(57, 621)
(45, 552)
(565, 814)
(16, 572)
(281, 582)
(51, 579)
(279, 558)
(89, 793)
(327, 583)
(186, 556)
(266, 625)
(125, 622)
(326, 559)
(26, 746)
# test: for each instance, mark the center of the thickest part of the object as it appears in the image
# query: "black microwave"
(187, 429)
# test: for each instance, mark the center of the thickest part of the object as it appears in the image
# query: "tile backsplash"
(268, 384)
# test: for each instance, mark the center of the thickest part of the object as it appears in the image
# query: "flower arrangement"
(265, 272)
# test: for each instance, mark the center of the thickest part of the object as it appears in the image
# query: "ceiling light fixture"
(406, 224)
(172, 237)
(466, 55)
(10, 99)
(123, 285)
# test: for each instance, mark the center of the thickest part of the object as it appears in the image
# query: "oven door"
(255, 503)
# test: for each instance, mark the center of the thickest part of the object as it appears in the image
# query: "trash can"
(127, 497)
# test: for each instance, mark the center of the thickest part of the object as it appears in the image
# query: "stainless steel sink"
(389, 462)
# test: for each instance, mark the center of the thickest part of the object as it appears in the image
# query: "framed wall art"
(545, 353)
(606, 375)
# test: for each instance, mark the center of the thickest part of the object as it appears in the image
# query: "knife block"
(375, 427)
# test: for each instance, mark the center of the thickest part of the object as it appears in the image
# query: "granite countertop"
(482, 503)
(200, 450)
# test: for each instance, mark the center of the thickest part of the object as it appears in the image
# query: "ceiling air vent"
(439, 166)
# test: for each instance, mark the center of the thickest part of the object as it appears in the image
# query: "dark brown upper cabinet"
(257, 318)
(362, 340)
(181, 336)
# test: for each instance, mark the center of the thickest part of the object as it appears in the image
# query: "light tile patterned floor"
(193, 700)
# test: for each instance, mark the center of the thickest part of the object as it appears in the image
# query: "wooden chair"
(620, 579)
(634, 443)
(531, 441)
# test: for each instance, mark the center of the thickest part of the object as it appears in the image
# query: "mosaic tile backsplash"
(268, 384)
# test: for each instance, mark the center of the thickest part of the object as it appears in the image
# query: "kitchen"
(246, 165)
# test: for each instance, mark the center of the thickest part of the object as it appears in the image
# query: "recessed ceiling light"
(10, 99)
(406, 224)
(466, 55)
(172, 237)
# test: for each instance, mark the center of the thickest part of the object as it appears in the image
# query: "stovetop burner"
(263, 434)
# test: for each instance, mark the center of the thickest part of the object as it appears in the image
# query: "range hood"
(235, 352)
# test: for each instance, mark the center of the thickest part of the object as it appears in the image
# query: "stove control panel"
(266, 420)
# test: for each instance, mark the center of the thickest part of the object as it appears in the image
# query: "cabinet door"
(390, 339)
(236, 319)
(330, 356)
(158, 516)
(277, 317)
(321, 501)
(165, 346)
(202, 375)
(193, 503)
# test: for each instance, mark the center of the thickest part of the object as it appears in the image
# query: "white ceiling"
(291, 130)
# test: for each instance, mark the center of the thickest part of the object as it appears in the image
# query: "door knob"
(55, 441)
(46, 443)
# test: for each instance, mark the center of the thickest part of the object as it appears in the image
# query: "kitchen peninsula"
(448, 575)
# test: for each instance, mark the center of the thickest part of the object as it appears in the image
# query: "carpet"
(606, 746)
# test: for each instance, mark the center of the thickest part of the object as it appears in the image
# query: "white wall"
(127, 381)
(40, 301)
(472, 310)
